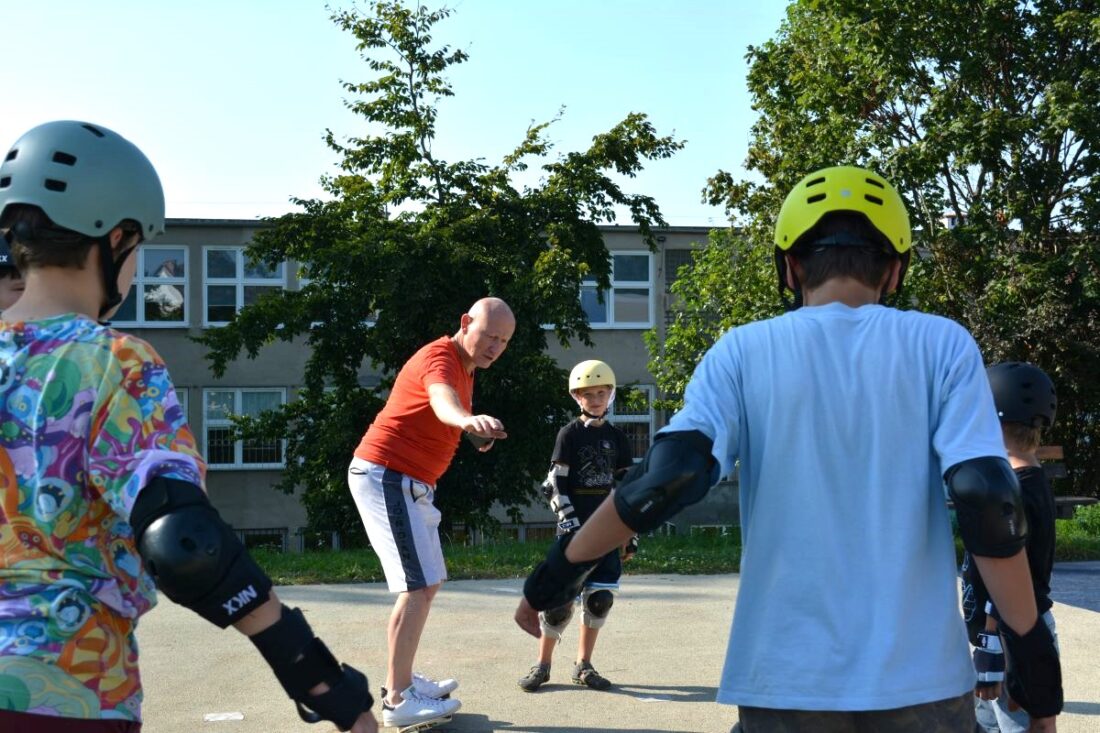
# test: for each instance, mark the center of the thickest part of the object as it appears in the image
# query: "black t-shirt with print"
(1040, 511)
(595, 455)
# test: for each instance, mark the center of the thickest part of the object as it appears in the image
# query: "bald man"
(392, 479)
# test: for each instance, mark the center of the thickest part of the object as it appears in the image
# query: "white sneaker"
(428, 687)
(415, 708)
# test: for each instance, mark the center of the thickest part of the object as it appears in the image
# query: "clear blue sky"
(230, 98)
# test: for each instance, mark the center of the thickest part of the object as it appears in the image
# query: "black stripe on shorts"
(393, 491)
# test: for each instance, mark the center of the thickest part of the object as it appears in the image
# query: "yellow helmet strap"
(781, 268)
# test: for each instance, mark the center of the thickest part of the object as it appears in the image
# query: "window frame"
(238, 445)
(239, 280)
(609, 295)
(140, 281)
(650, 418)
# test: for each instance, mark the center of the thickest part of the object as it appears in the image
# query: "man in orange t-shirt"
(392, 479)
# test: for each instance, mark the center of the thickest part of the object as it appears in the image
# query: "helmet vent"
(94, 130)
(815, 181)
(11, 154)
(64, 158)
(52, 184)
(5, 181)
(873, 182)
(815, 198)
(873, 199)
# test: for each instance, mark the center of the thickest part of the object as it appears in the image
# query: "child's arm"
(143, 461)
(555, 489)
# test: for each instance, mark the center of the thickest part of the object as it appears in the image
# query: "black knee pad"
(560, 615)
(599, 602)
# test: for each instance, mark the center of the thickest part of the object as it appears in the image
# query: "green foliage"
(729, 282)
(982, 110)
(679, 555)
(405, 245)
(507, 559)
(1087, 518)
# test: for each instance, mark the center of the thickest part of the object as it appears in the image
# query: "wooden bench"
(1064, 506)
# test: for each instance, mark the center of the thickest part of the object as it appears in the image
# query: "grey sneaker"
(585, 674)
(538, 675)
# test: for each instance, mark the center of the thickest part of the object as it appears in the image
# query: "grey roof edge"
(188, 222)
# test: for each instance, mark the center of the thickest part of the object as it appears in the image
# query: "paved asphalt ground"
(663, 648)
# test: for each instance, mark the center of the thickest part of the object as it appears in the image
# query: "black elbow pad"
(196, 558)
(677, 471)
(989, 506)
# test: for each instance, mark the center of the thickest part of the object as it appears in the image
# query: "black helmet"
(1023, 393)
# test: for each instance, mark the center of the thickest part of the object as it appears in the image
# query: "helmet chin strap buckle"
(589, 418)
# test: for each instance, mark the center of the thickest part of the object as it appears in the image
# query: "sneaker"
(585, 674)
(440, 689)
(426, 686)
(538, 675)
(415, 708)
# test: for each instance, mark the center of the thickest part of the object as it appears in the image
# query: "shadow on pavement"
(1078, 707)
(669, 693)
(644, 693)
(1075, 584)
(483, 724)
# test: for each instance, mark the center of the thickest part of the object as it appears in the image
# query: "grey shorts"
(954, 715)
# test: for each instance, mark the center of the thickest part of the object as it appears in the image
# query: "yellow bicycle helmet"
(840, 189)
(591, 373)
(843, 188)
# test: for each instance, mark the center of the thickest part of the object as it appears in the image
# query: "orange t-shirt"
(406, 435)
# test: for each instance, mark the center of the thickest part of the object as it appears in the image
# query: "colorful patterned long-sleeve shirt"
(88, 416)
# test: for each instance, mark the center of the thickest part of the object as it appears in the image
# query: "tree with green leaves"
(984, 113)
(405, 244)
(728, 282)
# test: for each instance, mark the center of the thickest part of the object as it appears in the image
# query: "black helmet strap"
(796, 302)
(109, 267)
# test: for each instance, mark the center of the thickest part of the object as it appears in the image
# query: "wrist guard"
(989, 660)
(301, 661)
(567, 515)
(1033, 671)
(556, 581)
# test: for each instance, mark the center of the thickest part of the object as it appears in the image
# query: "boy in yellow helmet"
(590, 453)
(846, 418)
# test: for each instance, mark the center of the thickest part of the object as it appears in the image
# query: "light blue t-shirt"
(844, 421)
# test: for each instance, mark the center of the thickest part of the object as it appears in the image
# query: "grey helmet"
(1023, 393)
(85, 178)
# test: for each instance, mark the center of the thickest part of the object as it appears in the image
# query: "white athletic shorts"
(402, 524)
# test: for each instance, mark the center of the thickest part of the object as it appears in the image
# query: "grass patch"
(682, 555)
(678, 555)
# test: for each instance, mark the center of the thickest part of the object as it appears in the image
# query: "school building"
(196, 277)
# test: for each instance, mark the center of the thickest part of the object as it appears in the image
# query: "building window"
(637, 422)
(181, 397)
(158, 297)
(221, 450)
(674, 260)
(231, 281)
(629, 301)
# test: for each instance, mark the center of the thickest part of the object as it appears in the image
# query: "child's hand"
(988, 691)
